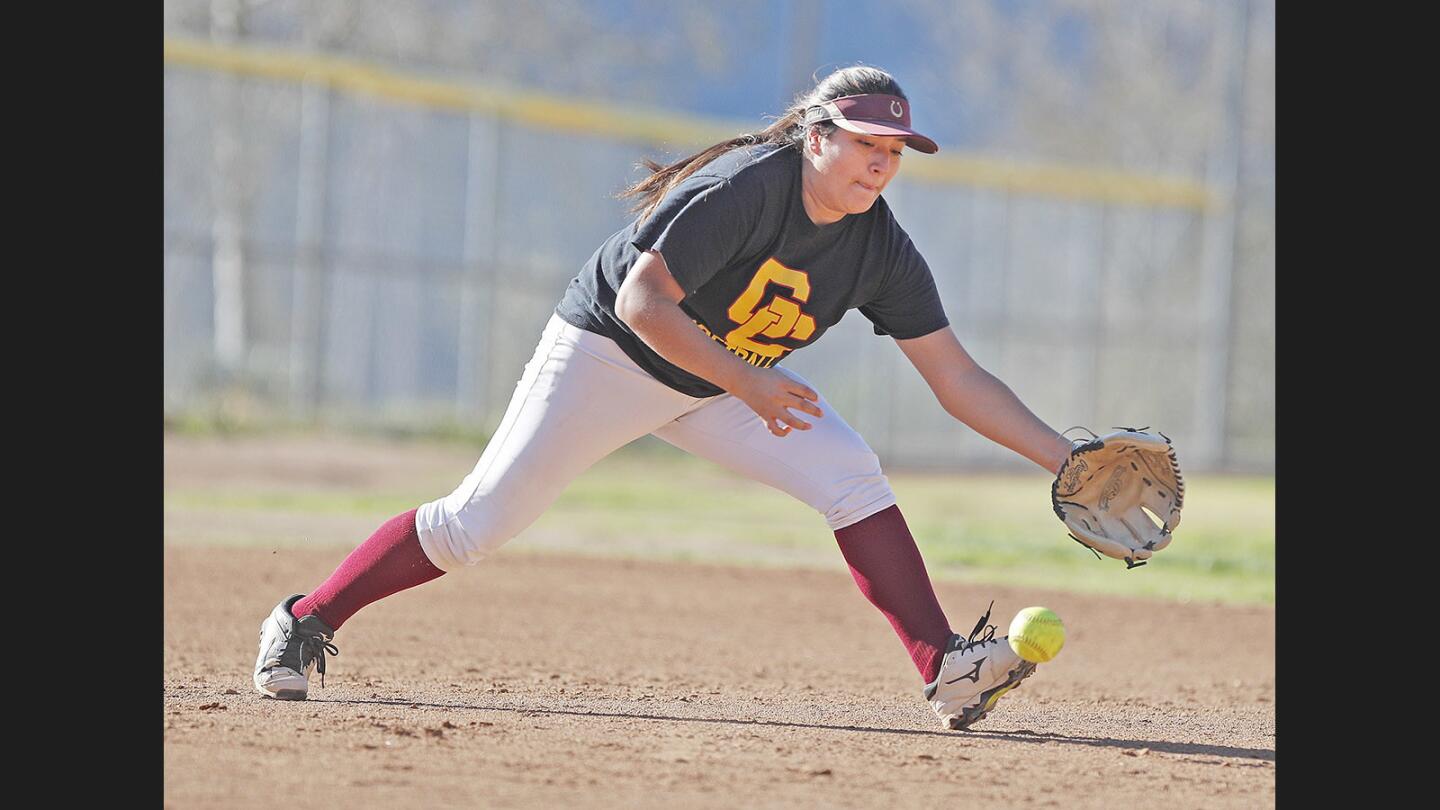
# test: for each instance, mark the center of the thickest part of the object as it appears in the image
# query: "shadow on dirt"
(1136, 747)
(1130, 747)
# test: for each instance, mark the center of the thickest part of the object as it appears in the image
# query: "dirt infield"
(549, 680)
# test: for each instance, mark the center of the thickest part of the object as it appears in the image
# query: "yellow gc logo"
(779, 318)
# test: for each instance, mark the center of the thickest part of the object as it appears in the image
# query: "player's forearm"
(990, 408)
(669, 331)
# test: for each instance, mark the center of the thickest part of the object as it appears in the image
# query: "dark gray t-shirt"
(759, 277)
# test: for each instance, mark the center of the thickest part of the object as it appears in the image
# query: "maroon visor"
(872, 114)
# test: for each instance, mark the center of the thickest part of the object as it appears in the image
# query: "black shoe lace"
(988, 635)
(315, 647)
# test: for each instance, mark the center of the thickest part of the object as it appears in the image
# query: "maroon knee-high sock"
(389, 562)
(890, 572)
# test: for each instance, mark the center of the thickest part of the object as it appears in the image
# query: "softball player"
(740, 254)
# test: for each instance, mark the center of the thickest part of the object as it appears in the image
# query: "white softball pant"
(581, 398)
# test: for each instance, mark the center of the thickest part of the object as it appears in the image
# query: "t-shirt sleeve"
(700, 228)
(907, 305)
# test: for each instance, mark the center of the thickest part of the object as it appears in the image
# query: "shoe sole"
(276, 689)
(989, 698)
(282, 687)
(283, 694)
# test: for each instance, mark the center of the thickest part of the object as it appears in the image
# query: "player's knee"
(459, 535)
(858, 493)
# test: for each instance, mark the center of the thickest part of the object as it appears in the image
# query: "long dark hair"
(789, 129)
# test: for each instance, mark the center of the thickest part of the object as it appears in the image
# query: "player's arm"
(980, 400)
(649, 303)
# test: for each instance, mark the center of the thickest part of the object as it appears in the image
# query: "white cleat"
(974, 674)
(290, 649)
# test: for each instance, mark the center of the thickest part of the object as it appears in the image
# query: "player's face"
(850, 172)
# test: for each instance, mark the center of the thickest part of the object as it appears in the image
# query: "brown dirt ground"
(537, 680)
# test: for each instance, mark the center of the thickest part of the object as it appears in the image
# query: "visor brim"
(913, 139)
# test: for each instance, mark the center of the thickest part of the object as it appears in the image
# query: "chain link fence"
(387, 254)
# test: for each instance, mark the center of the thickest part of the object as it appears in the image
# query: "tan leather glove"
(1103, 491)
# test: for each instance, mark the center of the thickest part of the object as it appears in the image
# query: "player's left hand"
(1104, 488)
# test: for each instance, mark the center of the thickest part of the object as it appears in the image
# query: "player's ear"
(813, 136)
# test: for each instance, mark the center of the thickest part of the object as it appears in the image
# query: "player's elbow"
(630, 304)
(647, 287)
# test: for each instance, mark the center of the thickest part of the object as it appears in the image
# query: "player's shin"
(389, 562)
(888, 567)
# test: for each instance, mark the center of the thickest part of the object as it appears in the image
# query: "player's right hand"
(775, 397)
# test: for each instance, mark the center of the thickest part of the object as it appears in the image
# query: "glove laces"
(1078, 442)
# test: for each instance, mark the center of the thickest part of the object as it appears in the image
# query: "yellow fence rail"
(638, 124)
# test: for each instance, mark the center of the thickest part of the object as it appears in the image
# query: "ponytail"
(788, 130)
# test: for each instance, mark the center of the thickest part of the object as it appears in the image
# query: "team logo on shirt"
(780, 317)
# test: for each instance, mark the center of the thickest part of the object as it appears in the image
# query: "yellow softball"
(1037, 634)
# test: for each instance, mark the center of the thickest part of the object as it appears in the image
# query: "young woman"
(675, 327)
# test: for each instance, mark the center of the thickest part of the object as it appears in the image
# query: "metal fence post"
(1218, 247)
(227, 226)
(478, 253)
(306, 302)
